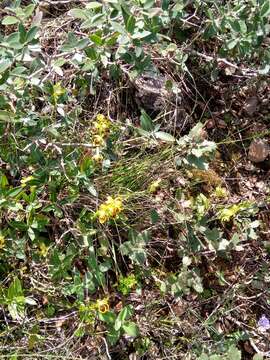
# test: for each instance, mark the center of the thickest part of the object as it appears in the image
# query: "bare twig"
(245, 71)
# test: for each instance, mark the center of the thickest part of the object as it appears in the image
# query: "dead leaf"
(59, 324)
(230, 70)
(251, 105)
(258, 150)
(37, 18)
(45, 300)
(221, 124)
(179, 307)
(119, 306)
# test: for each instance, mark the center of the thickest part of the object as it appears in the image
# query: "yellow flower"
(227, 214)
(114, 206)
(155, 186)
(98, 140)
(100, 117)
(57, 91)
(101, 125)
(43, 249)
(110, 209)
(103, 306)
(102, 216)
(118, 205)
(101, 128)
(2, 241)
(25, 180)
(98, 158)
(220, 192)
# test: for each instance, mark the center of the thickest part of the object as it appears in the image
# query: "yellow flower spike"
(2, 242)
(103, 207)
(114, 206)
(118, 207)
(58, 90)
(102, 127)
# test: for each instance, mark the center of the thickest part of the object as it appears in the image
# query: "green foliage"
(61, 159)
(198, 152)
(127, 284)
(232, 354)
(135, 247)
(118, 325)
(15, 300)
(226, 214)
(241, 27)
(185, 281)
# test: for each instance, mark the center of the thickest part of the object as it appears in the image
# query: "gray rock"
(151, 91)
(153, 94)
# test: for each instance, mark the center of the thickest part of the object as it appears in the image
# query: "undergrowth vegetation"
(134, 224)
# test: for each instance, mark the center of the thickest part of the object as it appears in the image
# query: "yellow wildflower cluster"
(98, 140)
(100, 131)
(101, 128)
(229, 213)
(110, 209)
(89, 310)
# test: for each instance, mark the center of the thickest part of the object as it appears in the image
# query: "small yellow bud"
(155, 186)
(98, 158)
(220, 192)
(2, 242)
(98, 140)
(43, 249)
